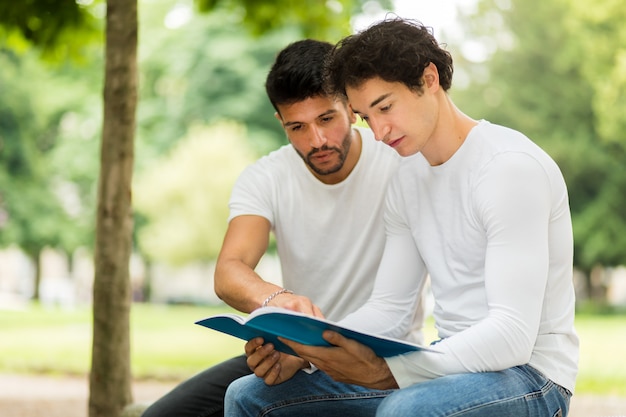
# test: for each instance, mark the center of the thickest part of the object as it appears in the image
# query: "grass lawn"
(602, 369)
(167, 345)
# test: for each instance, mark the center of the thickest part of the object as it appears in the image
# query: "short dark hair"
(395, 50)
(298, 72)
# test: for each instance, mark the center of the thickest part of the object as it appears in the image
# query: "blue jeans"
(520, 391)
(303, 395)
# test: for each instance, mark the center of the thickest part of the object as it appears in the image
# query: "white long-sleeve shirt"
(492, 227)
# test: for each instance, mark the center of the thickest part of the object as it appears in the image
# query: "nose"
(381, 131)
(318, 139)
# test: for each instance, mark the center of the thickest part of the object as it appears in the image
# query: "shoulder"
(276, 162)
(497, 139)
(513, 150)
(512, 166)
(268, 172)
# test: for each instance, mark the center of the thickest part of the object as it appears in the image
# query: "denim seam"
(528, 396)
(328, 397)
(479, 406)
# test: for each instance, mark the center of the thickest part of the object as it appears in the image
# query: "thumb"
(334, 338)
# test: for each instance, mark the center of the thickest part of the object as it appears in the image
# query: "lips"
(395, 142)
(322, 155)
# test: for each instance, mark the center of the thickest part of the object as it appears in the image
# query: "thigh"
(303, 395)
(519, 391)
(202, 394)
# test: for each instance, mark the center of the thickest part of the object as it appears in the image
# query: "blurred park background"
(553, 69)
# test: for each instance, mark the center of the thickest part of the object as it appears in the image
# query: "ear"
(431, 77)
(351, 115)
(277, 116)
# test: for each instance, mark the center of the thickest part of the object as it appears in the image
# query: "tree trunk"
(110, 378)
(35, 258)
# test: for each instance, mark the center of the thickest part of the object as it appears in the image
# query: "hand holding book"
(273, 322)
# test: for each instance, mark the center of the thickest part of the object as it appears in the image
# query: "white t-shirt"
(329, 238)
(492, 227)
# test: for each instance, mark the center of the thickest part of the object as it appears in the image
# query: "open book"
(272, 322)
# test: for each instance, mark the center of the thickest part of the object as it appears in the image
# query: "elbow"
(522, 342)
(504, 357)
(218, 283)
(522, 357)
(219, 293)
(516, 341)
(519, 353)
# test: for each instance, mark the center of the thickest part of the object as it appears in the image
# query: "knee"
(239, 393)
(400, 403)
(234, 390)
(389, 407)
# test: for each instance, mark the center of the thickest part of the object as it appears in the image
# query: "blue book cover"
(272, 322)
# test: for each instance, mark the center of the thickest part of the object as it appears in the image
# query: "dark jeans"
(203, 394)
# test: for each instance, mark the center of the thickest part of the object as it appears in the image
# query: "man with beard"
(322, 197)
(480, 209)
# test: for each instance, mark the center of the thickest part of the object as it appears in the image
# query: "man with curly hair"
(482, 210)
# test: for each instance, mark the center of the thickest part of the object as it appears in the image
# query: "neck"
(452, 128)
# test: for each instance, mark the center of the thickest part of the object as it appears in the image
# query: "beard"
(342, 154)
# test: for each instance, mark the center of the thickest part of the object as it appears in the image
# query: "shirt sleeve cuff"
(311, 369)
(399, 371)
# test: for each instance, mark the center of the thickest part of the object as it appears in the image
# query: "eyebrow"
(326, 113)
(375, 102)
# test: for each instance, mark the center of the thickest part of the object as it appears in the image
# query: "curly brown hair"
(395, 50)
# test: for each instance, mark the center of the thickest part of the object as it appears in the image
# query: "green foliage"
(59, 28)
(328, 20)
(212, 66)
(600, 29)
(205, 70)
(19, 124)
(74, 158)
(557, 75)
(34, 215)
(208, 68)
(184, 196)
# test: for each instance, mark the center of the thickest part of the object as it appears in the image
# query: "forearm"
(391, 308)
(236, 282)
(240, 287)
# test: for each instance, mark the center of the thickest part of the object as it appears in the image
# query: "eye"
(363, 118)
(327, 119)
(296, 128)
(385, 108)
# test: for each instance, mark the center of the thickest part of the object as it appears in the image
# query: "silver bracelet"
(273, 295)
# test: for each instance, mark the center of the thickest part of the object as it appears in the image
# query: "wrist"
(274, 295)
(382, 376)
